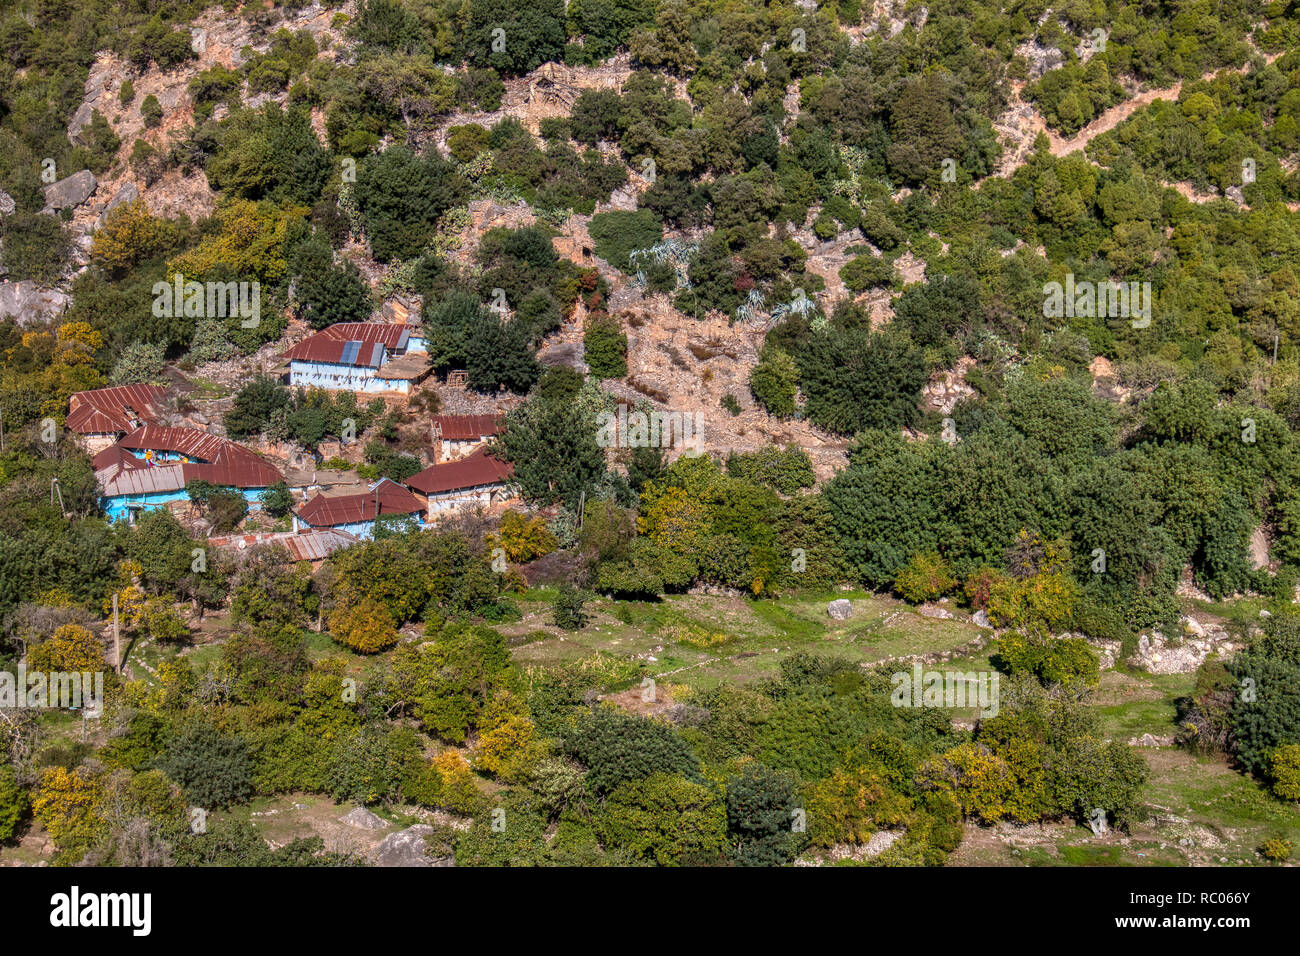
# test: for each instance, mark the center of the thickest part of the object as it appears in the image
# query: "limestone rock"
(80, 120)
(407, 848)
(28, 302)
(364, 819)
(128, 193)
(71, 190)
(935, 610)
(840, 609)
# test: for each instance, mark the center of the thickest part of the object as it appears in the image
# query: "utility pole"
(56, 487)
(117, 639)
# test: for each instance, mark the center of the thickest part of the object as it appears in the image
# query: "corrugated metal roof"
(467, 427)
(325, 511)
(116, 409)
(351, 343)
(117, 480)
(316, 545)
(477, 469)
(221, 461)
(311, 545)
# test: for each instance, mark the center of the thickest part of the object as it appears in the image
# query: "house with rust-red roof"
(359, 357)
(104, 415)
(150, 467)
(455, 436)
(479, 480)
(356, 513)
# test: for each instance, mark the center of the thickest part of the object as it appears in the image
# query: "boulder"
(7, 205)
(363, 819)
(71, 190)
(840, 609)
(407, 848)
(981, 619)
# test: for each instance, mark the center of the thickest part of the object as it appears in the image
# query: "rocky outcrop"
(29, 302)
(128, 193)
(80, 120)
(71, 190)
(408, 848)
(1183, 653)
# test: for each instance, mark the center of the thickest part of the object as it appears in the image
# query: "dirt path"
(1021, 123)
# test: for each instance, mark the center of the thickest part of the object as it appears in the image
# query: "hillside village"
(605, 422)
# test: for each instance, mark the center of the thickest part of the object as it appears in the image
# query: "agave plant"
(753, 306)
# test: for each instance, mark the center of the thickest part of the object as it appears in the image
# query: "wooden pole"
(117, 640)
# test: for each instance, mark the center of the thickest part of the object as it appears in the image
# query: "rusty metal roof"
(310, 545)
(477, 469)
(325, 511)
(466, 427)
(220, 461)
(117, 409)
(351, 343)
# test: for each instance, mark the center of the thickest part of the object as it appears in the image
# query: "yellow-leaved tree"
(366, 626)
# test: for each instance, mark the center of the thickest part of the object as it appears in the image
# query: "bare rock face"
(71, 190)
(28, 302)
(128, 193)
(80, 120)
(840, 609)
(407, 848)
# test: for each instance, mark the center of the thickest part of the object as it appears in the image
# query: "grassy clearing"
(702, 640)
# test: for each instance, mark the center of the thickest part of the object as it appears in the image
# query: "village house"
(455, 436)
(150, 467)
(479, 480)
(355, 514)
(359, 357)
(102, 416)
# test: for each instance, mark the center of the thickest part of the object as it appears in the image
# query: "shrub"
(665, 819)
(367, 626)
(924, 578)
(1276, 850)
(213, 770)
(1066, 660)
(1044, 601)
(1284, 769)
(774, 382)
(13, 804)
(605, 347)
(567, 608)
(151, 111)
(523, 538)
